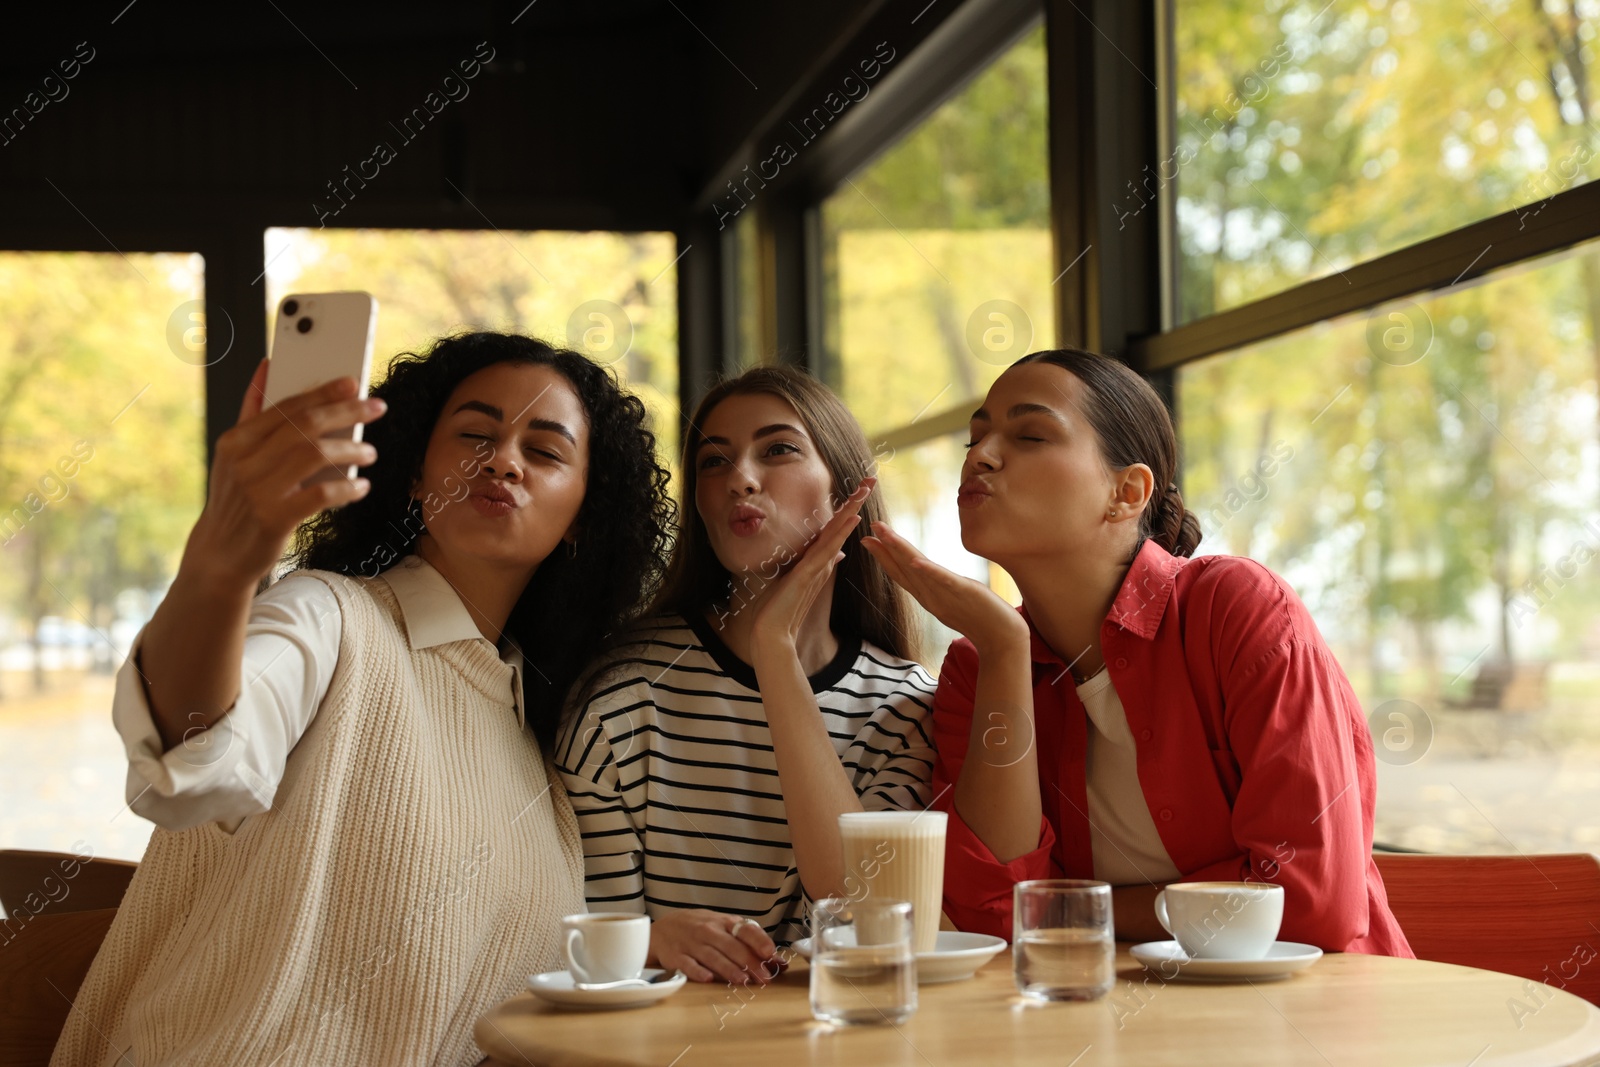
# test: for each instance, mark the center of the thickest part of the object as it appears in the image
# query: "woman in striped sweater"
(772, 688)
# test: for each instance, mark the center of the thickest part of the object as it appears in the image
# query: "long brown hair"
(1133, 426)
(866, 602)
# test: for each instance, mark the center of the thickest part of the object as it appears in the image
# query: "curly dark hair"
(572, 606)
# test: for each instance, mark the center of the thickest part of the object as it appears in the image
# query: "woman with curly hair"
(361, 845)
(1144, 718)
(771, 689)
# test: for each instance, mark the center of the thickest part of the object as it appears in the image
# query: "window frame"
(1434, 265)
(1112, 69)
(974, 39)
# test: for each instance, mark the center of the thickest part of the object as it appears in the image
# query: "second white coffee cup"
(604, 947)
(1222, 920)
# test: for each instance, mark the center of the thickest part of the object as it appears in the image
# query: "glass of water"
(1062, 945)
(863, 969)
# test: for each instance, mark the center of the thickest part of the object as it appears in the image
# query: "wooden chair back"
(48, 883)
(43, 961)
(1536, 917)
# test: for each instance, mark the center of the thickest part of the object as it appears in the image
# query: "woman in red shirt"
(1143, 718)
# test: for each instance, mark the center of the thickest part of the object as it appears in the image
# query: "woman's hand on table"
(708, 945)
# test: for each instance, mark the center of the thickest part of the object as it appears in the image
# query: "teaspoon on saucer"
(626, 983)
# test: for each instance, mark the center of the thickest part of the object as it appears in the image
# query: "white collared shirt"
(232, 769)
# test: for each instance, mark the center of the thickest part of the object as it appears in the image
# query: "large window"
(1425, 472)
(1426, 476)
(612, 296)
(1312, 135)
(936, 265)
(936, 258)
(102, 473)
(102, 449)
(743, 333)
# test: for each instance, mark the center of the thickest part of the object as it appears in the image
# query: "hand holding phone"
(263, 479)
(318, 337)
(296, 445)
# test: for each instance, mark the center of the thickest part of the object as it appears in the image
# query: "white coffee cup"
(605, 947)
(1222, 920)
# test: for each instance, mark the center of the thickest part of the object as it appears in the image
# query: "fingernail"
(378, 405)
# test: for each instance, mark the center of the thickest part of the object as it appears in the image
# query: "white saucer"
(1168, 959)
(557, 988)
(955, 955)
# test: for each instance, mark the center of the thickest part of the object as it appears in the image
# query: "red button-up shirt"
(1253, 753)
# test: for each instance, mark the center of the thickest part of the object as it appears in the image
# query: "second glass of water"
(863, 969)
(1063, 946)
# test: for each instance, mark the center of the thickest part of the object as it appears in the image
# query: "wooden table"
(1354, 1010)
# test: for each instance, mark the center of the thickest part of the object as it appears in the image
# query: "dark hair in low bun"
(1174, 528)
(1133, 426)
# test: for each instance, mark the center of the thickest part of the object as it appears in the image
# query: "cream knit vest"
(412, 872)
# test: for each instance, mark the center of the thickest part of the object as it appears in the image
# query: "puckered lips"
(973, 492)
(745, 519)
(493, 499)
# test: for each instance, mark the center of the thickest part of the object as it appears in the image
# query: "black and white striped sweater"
(670, 768)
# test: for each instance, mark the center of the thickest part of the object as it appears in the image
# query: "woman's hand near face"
(815, 786)
(711, 945)
(191, 654)
(996, 793)
(775, 629)
(969, 607)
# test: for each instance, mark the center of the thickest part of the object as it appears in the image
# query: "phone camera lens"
(291, 306)
(304, 325)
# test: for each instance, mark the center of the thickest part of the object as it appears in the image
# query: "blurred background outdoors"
(1426, 476)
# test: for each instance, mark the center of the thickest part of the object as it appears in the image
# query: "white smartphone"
(317, 337)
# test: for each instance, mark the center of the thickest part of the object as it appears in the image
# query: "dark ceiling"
(592, 113)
